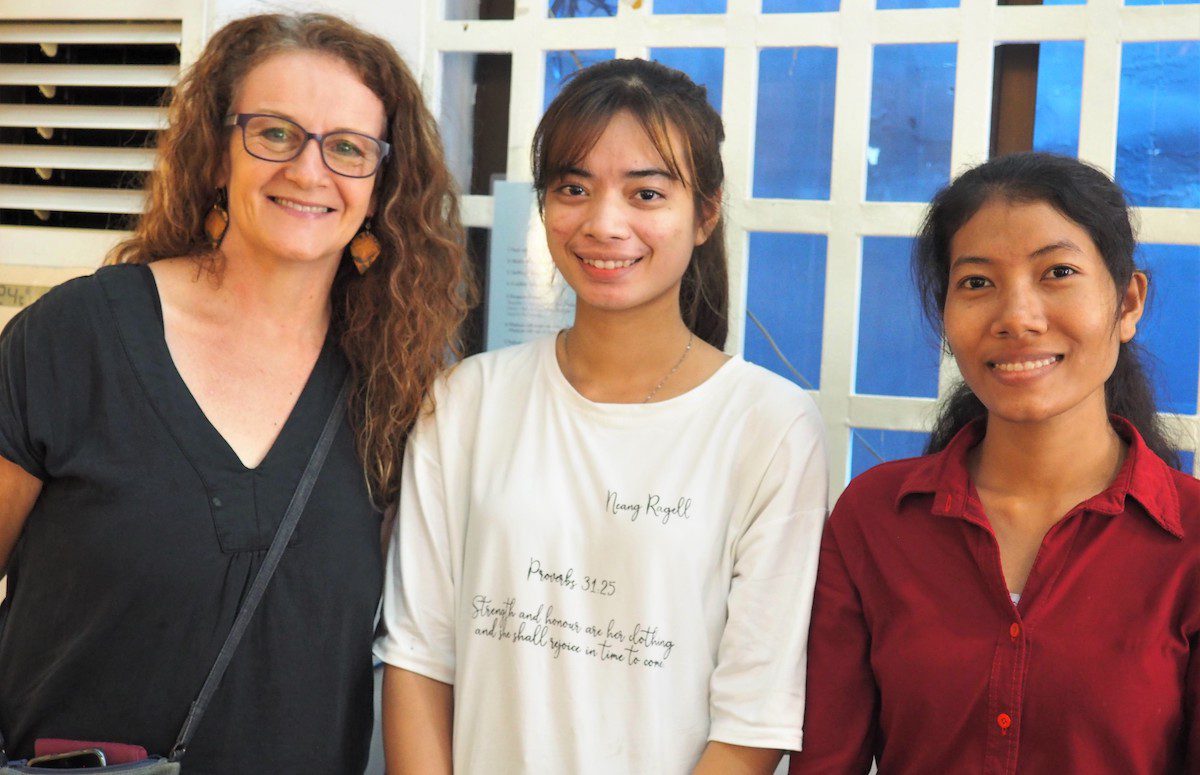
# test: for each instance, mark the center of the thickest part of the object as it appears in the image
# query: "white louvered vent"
(79, 110)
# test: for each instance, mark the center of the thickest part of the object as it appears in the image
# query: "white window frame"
(977, 27)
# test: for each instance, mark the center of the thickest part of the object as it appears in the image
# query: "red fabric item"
(918, 656)
(114, 753)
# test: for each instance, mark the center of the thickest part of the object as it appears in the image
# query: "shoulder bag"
(169, 765)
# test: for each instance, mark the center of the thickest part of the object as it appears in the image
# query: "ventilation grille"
(79, 110)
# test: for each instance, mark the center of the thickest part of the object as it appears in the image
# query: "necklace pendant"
(687, 349)
(649, 396)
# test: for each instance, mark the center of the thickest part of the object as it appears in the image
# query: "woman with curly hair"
(156, 416)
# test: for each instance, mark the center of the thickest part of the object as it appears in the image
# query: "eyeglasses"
(274, 138)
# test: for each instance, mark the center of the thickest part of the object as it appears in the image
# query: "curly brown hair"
(399, 323)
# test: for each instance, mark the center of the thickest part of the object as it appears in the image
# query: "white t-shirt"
(607, 586)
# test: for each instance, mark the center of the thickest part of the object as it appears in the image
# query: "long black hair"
(660, 99)
(1086, 196)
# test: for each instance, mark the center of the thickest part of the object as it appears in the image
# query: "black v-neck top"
(147, 534)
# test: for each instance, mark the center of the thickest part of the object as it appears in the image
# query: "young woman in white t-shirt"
(607, 539)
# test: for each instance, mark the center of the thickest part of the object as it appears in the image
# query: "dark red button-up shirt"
(918, 656)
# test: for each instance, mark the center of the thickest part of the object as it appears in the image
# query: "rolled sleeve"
(757, 689)
(21, 435)
(842, 705)
(418, 596)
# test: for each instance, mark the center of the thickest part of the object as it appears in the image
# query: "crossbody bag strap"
(270, 563)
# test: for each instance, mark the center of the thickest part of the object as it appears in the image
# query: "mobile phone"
(71, 760)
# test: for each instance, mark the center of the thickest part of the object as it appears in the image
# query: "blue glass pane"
(561, 65)
(786, 296)
(570, 9)
(897, 354)
(912, 110)
(793, 144)
(870, 447)
(689, 6)
(1158, 123)
(799, 6)
(705, 66)
(1158, 2)
(1059, 96)
(1170, 329)
(1188, 459)
(1064, 2)
(889, 5)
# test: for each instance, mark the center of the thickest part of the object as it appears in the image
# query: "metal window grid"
(977, 26)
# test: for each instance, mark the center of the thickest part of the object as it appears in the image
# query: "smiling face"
(1032, 315)
(619, 226)
(299, 210)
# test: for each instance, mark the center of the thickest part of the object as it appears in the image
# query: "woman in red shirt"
(1026, 597)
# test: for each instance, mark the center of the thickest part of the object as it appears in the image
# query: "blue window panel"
(1187, 459)
(897, 354)
(870, 447)
(688, 6)
(573, 9)
(912, 110)
(705, 66)
(793, 143)
(1064, 2)
(561, 65)
(1158, 123)
(1170, 329)
(891, 5)
(1159, 2)
(786, 294)
(1059, 97)
(799, 6)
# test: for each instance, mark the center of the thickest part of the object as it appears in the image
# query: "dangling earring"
(216, 223)
(364, 248)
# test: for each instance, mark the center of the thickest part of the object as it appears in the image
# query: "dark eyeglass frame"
(242, 119)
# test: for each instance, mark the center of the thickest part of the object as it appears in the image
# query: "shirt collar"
(1143, 476)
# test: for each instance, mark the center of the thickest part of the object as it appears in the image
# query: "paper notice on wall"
(526, 297)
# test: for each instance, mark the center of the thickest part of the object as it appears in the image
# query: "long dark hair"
(1081, 193)
(660, 99)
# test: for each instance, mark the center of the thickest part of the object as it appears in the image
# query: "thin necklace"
(687, 349)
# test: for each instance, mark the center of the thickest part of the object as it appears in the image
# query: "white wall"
(399, 21)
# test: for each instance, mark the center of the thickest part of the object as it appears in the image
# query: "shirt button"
(1004, 721)
(216, 502)
(1014, 630)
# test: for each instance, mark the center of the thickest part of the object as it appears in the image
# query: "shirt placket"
(1010, 660)
(1006, 689)
(1006, 683)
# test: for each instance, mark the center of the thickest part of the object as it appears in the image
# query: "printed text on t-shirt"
(568, 579)
(656, 506)
(542, 627)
